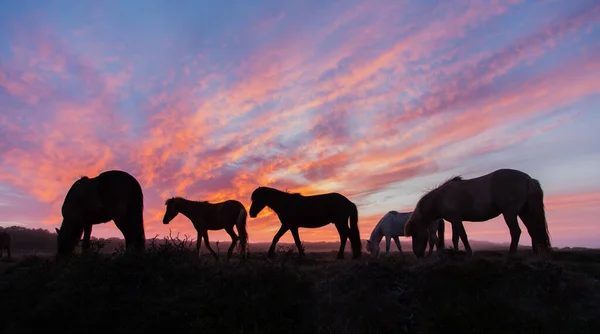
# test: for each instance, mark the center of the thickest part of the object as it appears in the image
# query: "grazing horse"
(508, 192)
(295, 211)
(112, 195)
(391, 225)
(5, 243)
(211, 216)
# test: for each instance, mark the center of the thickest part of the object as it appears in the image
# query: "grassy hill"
(168, 288)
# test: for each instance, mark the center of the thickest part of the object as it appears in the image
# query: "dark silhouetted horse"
(391, 226)
(211, 216)
(295, 210)
(5, 243)
(508, 192)
(112, 195)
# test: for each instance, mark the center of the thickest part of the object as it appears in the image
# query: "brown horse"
(112, 195)
(508, 192)
(211, 216)
(5, 243)
(295, 210)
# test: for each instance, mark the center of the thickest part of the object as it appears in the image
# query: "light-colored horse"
(506, 192)
(391, 225)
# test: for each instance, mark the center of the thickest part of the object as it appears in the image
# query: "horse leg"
(122, 226)
(397, 241)
(460, 228)
(387, 246)
(455, 236)
(207, 244)
(343, 232)
(276, 238)
(526, 221)
(234, 239)
(515, 231)
(430, 247)
(432, 241)
(87, 235)
(198, 243)
(297, 241)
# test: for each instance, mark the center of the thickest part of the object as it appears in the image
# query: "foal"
(211, 216)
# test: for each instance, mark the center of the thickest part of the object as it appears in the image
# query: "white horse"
(391, 225)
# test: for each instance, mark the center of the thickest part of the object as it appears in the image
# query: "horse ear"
(57, 230)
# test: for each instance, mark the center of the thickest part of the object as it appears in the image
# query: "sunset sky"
(378, 100)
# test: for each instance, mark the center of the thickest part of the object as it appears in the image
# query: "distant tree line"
(39, 240)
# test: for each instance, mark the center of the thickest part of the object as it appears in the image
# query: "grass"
(169, 288)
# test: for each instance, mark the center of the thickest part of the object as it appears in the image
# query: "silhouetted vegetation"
(41, 241)
(170, 288)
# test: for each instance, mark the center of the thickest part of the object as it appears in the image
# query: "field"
(170, 289)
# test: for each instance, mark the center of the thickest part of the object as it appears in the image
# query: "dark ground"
(168, 289)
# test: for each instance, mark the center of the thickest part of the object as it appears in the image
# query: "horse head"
(416, 229)
(172, 209)
(67, 237)
(259, 200)
(81, 202)
(373, 248)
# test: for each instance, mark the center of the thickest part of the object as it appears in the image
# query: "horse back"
(509, 188)
(393, 223)
(335, 201)
(486, 196)
(104, 197)
(230, 209)
(322, 207)
(217, 215)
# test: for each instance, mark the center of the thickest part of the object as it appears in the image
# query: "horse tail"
(354, 232)
(535, 209)
(441, 230)
(135, 216)
(240, 223)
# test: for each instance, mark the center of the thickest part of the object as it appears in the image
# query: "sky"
(377, 100)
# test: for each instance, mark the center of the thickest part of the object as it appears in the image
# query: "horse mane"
(179, 198)
(293, 194)
(173, 199)
(450, 179)
(270, 190)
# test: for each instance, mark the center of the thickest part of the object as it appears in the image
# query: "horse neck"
(277, 202)
(431, 205)
(189, 208)
(376, 235)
